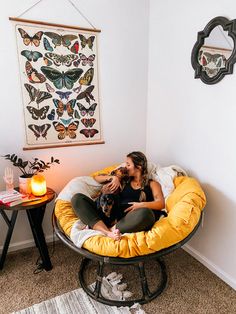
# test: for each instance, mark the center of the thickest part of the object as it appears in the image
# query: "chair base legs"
(147, 295)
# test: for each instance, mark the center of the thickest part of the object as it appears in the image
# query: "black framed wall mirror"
(214, 53)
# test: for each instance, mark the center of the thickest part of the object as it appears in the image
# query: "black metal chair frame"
(138, 261)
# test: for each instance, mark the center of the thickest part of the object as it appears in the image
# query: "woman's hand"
(134, 206)
(112, 186)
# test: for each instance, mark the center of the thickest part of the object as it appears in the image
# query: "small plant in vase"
(29, 169)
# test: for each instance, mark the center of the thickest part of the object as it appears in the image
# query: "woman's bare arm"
(112, 185)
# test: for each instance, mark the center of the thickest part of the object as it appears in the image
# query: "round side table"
(35, 212)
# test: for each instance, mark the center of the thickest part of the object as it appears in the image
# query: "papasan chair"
(184, 206)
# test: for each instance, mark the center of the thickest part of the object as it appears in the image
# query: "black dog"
(109, 203)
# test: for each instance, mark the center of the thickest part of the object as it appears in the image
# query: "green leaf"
(24, 164)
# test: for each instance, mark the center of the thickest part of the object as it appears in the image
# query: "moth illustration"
(75, 47)
(87, 111)
(62, 79)
(87, 78)
(31, 55)
(86, 41)
(69, 107)
(38, 113)
(63, 95)
(33, 40)
(58, 60)
(59, 40)
(51, 115)
(36, 94)
(33, 75)
(40, 130)
(47, 45)
(89, 132)
(64, 131)
(88, 123)
(87, 60)
(87, 94)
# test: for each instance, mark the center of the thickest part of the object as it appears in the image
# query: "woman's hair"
(140, 162)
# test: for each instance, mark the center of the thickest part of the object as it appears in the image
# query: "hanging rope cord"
(70, 1)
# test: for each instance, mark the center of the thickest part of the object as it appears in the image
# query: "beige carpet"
(191, 287)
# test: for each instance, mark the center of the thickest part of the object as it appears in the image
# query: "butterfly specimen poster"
(59, 82)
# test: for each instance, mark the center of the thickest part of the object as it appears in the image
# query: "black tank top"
(128, 194)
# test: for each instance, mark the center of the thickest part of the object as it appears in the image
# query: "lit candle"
(38, 185)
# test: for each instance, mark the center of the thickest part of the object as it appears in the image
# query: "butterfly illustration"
(87, 94)
(39, 130)
(47, 45)
(87, 78)
(84, 111)
(59, 40)
(50, 89)
(75, 47)
(38, 113)
(47, 62)
(76, 115)
(27, 39)
(86, 41)
(63, 95)
(89, 132)
(62, 79)
(87, 60)
(88, 123)
(35, 94)
(69, 107)
(33, 75)
(66, 121)
(51, 115)
(31, 55)
(64, 131)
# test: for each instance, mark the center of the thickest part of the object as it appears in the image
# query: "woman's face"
(132, 170)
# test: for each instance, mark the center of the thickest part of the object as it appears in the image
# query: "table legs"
(11, 223)
(35, 217)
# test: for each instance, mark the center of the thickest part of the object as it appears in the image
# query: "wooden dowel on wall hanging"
(64, 145)
(15, 19)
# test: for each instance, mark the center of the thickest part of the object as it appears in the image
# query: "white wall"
(193, 124)
(123, 90)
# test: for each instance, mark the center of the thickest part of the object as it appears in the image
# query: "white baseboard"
(211, 266)
(26, 244)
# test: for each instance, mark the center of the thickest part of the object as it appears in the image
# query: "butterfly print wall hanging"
(60, 87)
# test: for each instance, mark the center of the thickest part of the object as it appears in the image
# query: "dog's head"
(106, 204)
(120, 172)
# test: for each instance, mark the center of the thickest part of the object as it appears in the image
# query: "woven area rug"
(77, 302)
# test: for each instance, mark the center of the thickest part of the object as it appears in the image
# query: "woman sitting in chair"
(140, 201)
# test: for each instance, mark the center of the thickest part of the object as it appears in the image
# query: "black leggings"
(141, 219)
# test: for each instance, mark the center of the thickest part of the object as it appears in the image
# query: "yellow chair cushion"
(184, 207)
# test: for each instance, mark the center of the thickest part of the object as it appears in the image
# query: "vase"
(25, 185)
